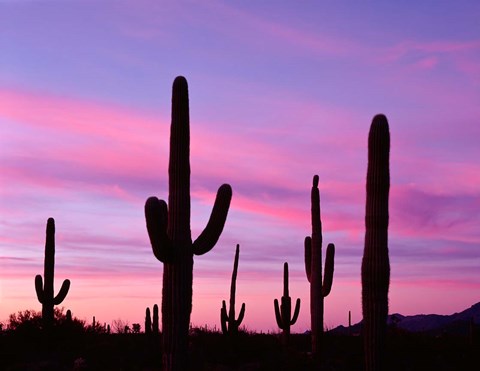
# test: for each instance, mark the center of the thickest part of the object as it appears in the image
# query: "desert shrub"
(29, 321)
(26, 320)
(120, 326)
(136, 328)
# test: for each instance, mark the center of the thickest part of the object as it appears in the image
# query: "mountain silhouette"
(431, 324)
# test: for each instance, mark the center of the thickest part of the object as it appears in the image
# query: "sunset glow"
(278, 93)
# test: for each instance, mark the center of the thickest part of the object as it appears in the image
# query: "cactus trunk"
(44, 290)
(170, 234)
(375, 262)
(176, 309)
(148, 321)
(313, 267)
(155, 326)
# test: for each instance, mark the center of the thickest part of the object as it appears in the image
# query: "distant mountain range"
(431, 324)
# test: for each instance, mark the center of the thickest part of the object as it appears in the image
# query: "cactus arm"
(278, 315)
(62, 293)
(241, 315)
(296, 312)
(308, 257)
(156, 215)
(224, 317)
(210, 235)
(39, 288)
(328, 273)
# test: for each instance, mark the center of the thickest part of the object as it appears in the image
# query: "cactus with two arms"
(44, 286)
(170, 234)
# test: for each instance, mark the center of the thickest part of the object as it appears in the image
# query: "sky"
(279, 92)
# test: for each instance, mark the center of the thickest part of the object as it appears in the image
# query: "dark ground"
(67, 350)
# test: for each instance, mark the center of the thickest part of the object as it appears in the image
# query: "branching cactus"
(283, 313)
(375, 262)
(230, 325)
(155, 319)
(170, 234)
(313, 267)
(148, 321)
(45, 289)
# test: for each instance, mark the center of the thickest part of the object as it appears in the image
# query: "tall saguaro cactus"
(230, 325)
(375, 262)
(44, 291)
(283, 313)
(313, 267)
(170, 234)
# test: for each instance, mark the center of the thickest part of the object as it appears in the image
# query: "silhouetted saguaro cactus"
(45, 290)
(148, 321)
(283, 313)
(155, 319)
(170, 234)
(230, 325)
(313, 267)
(375, 262)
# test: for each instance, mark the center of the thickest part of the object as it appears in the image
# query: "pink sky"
(278, 93)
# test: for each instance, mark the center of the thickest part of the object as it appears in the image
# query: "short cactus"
(230, 325)
(148, 321)
(349, 323)
(155, 327)
(313, 267)
(170, 234)
(283, 313)
(375, 262)
(45, 290)
(68, 316)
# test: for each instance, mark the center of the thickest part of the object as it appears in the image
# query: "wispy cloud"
(403, 49)
(275, 97)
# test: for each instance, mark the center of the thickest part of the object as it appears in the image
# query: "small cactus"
(68, 316)
(375, 262)
(45, 290)
(313, 267)
(349, 323)
(283, 313)
(148, 321)
(155, 327)
(229, 324)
